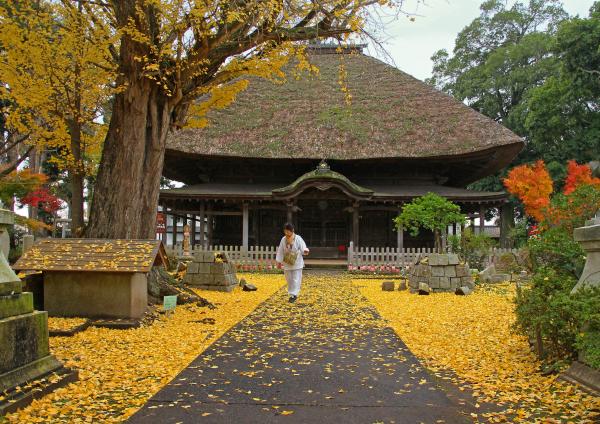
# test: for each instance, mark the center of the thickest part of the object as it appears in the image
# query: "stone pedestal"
(24, 351)
(589, 238)
(210, 272)
(440, 272)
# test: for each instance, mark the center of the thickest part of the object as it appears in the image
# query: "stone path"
(327, 358)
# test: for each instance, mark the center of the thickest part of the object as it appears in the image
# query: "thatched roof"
(392, 115)
(93, 255)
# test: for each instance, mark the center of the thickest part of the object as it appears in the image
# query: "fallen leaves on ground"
(120, 370)
(472, 337)
(327, 355)
(65, 324)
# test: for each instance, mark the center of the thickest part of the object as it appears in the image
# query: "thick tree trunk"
(126, 191)
(76, 206)
(76, 180)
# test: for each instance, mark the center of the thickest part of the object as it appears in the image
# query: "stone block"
(437, 271)
(450, 271)
(16, 304)
(205, 257)
(463, 291)
(24, 340)
(232, 280)
(193, 268)
(11, 287)
(438, 259)
(434, 282)
(455, 282)
(217, 268)
(388, 286)
(218, 288)
(445, 283)
(402, 285)
(219, 280)
(499, 278)
(462, 270)
(453, 259)
(204, 268)
(200, 279)
(486, 274)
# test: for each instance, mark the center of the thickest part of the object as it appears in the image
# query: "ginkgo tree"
(56, 78)
(171, 58)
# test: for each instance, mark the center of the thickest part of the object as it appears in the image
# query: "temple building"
(300, 152)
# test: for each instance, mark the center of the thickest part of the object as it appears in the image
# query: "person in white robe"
(290, 255)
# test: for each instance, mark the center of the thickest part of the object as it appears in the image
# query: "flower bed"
(261, 267)
(376, 269)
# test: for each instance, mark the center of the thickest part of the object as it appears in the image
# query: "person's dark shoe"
(293, 299)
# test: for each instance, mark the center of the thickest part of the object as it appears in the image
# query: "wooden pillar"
(201, 226)
(193, 235)
(256, 226)
(290, 212)
(507, 222)
(174, 229)
(481, 219)
(400, 236)
(209, 223)
(245, 215)
(355, 224)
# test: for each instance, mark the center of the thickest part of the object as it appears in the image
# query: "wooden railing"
(255, 258)
(378, 259)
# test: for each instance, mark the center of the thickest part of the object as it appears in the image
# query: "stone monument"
(210, 271)
(24, 350)
(439, 272)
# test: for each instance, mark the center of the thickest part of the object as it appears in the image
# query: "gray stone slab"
(450, 271)
(453, 259)
(217, 288)
(10, 287)
(192, 268)
(388, 286)
(295, 361)
(438, 271)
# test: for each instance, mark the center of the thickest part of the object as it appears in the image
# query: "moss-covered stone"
(10, 287)
(24, 340)
(16, 304)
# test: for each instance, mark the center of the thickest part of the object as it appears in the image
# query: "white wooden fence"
(390, 258)
(370, 259)
(254, 259)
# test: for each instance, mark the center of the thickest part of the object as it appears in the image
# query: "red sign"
(161, 223)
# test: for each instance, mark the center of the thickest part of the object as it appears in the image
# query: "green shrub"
(556, 249)
(547, 308)
(472, 248)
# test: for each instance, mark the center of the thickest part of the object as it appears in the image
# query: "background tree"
(534, 70)
(56, 79)
(177, 59)
(563, 119)
(431, 212)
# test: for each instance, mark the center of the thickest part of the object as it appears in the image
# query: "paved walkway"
(327, 358)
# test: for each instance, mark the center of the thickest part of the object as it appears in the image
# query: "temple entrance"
(325, 226)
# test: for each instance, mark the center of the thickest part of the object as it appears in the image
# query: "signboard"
(161, 223)
(169, 302)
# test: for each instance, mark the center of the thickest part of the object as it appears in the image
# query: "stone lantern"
(589, 238)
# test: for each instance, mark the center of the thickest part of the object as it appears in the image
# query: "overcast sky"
(411, 44)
